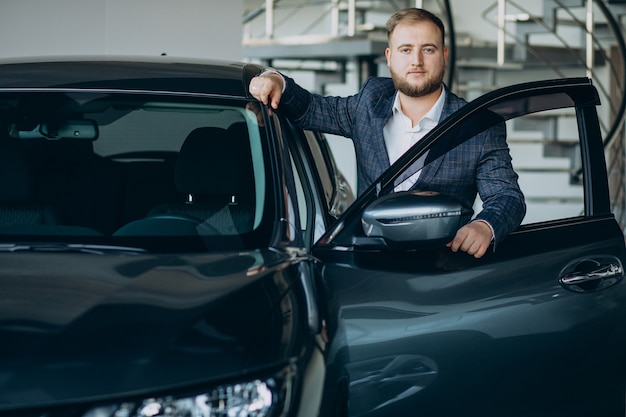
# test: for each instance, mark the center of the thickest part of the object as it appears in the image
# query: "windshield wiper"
(69, 247)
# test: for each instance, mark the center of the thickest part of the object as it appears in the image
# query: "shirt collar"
(435, 111)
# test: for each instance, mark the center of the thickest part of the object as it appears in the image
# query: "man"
(388, 116)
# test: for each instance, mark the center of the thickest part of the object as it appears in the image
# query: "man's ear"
(388, 54)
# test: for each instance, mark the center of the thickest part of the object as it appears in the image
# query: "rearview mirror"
(412, 216)
(66, 129)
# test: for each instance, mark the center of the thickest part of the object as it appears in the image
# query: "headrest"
(17, 182)
(214, 162)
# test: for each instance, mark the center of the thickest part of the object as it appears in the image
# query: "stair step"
(549, 185)
(530, 157)
(538, 211)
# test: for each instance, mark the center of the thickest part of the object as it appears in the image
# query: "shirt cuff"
(493, 233)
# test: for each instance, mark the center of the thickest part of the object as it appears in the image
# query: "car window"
(545, 153)
(545, 150)
(337, 191)
(546, 156)
(306, 179)
(547, 120)
(321, 165)
(302, 202)
(145, 170)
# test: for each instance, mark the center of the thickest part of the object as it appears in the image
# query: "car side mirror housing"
(412, 217)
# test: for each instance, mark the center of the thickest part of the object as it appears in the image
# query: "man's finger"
(275, 100)
(267, 88)
(468, 239)
(256, 89)
(459, 239)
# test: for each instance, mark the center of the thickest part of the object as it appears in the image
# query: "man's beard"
(430, 85)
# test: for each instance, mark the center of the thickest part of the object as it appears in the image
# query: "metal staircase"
(540, 39)
(560, 38)
(325, 37)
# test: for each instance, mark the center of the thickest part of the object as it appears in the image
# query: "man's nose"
(417, 58)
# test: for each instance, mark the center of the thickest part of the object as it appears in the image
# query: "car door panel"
(502, 332)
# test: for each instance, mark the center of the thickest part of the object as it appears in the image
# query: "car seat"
(84, 187)
(18, 189)
(214, 172)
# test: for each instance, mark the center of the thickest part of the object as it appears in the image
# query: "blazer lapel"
(451, 105)
(380, 157)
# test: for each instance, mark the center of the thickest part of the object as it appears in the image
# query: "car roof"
(129, 73)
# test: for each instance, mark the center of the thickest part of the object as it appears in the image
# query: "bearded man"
(389, 115)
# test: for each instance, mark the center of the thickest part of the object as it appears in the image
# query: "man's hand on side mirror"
(473, 238)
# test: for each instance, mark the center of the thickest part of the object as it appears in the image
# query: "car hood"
(80, 326)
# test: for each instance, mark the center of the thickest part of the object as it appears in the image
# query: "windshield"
(158, 172)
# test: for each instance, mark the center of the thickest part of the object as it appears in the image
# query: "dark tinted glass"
(157, 172)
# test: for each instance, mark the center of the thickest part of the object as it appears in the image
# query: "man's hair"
(414, 15)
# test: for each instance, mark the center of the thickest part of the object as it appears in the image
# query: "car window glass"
(322, 166)
(138, 169)
(300, 197)
(545, 151)
(546, 156)
(308, 205)
(564, 98)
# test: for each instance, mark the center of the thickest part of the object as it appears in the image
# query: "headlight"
(258, 398)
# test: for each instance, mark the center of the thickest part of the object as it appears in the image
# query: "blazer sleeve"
(504, 206)
(315, 112)
(328, 114)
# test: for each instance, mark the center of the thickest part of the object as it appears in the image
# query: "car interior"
(128, 166)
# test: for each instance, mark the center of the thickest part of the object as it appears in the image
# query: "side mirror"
(412, 216)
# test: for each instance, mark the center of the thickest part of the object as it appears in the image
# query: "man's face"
(416, 58)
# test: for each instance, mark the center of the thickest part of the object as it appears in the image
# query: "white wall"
(189, 28)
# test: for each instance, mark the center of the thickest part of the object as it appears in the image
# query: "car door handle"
(591, 275)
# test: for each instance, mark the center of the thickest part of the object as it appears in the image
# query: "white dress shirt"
(400, 134)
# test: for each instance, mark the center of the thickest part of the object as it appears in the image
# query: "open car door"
(535, 327)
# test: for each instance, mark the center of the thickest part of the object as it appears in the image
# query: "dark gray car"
(168, 247)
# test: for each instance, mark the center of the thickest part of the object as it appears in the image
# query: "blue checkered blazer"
(481, 165)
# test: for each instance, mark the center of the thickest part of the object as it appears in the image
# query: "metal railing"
(610, 50)
(339, 17)
(593, 47)
(333, 9)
